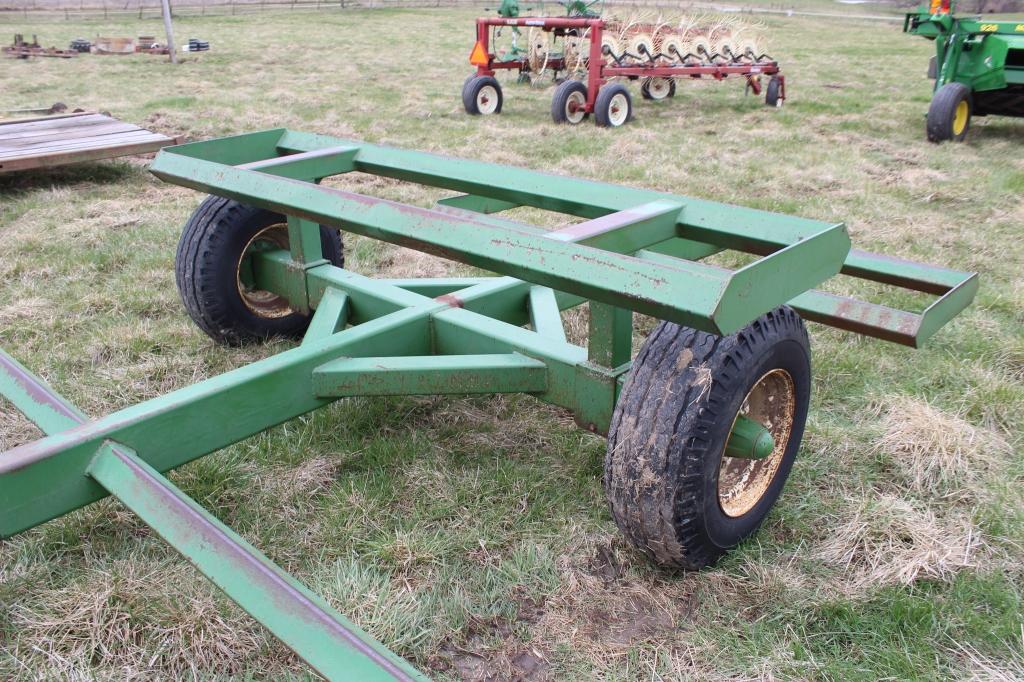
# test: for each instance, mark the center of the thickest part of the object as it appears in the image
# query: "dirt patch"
(634, 619)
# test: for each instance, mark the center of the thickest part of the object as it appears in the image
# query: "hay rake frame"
(635, 251)
(599, 70)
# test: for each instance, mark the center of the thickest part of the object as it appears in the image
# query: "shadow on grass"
(65, 176)
(1000, 128)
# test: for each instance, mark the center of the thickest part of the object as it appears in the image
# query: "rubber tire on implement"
(206, 271)
(471, 90)
(943, 111)
(645, 90)
(560, 101)
(671, 425)
(603, 103)
(773, 92)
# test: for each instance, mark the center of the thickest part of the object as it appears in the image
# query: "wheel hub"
(743, 482)
(259, 301)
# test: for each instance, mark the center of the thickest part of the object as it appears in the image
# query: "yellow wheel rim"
(960, 118)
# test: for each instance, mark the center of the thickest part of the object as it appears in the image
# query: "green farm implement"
(703, 423)
(978, 68)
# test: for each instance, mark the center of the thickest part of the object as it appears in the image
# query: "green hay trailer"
(978, 67)
(703, 423)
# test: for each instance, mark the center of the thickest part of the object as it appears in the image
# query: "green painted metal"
(431, 375)
(985, 55)
(302, 620)
(622, 250)
(749, 439)
(35, 399)
(330, 317)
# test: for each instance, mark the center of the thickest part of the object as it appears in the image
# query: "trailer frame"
(634, 251)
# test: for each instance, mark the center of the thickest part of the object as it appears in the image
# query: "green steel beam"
(715, 300)
(330, 317)
(610, 335)
(331, 644)
(477, 204)
(314, 165)
(545, 317)
(46, 478)
(43, 406)
(430, 375)
(721, 224)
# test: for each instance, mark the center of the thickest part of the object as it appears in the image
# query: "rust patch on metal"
(451, 299)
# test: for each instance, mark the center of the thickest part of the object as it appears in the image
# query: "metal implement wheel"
(658, 88)
(481, 95)
(613, 106)
(569, 103)
(213, 271)
(673, 488)
(773, 93)
(949, 115)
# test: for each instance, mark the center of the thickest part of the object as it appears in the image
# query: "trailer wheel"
(658, 88)
(672, 490)
(213, 272)
(949, 114)
(481, 95)
(613, 106)
(773, 93)
(569, 103)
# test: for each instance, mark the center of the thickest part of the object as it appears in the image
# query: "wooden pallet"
(72, 138)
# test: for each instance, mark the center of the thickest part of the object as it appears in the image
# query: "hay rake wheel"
(633, 251)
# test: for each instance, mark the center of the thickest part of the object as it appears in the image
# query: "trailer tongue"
(704, 422)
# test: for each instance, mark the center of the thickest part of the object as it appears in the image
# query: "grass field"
(471, 535)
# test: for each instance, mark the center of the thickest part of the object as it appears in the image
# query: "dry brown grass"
(115, 619)
(890, 541)
(937, 452)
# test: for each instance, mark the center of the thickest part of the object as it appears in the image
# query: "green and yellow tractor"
(978, 67)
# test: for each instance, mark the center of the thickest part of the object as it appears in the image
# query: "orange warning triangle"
(479, 55)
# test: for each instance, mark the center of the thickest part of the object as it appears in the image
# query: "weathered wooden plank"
(83, 143)
(78, 119)
(16, 141)
(63, 158)
(38, 119)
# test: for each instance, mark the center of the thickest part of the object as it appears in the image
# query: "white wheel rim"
(575, 107)
(487, 100)
(658, 88)
(618, 110)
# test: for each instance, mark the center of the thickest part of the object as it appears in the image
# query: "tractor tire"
(209, 266)
(482, 96)
(658, 88)
(773, 93)
(569, 102)
(672, 490)
(613, 106)
(949, 115)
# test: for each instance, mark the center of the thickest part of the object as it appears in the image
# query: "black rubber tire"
(560, 101)
(206, 271)
(671, 425)
(942, 112)
(472, 88)
(772, 92)
(645, 91)
(603, 105)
